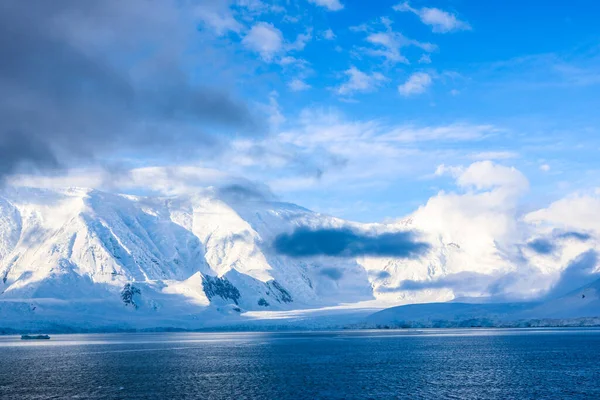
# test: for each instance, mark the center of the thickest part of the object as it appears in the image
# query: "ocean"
(403, 364)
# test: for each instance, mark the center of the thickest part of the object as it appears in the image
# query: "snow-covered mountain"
(88, 259)
(98, 253)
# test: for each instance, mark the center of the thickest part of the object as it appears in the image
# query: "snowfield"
(84, 259)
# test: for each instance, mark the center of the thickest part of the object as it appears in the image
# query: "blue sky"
(528, 71)
(356, 109)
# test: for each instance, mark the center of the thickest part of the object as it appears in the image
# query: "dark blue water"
(467, 364)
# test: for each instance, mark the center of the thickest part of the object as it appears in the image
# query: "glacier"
(79, 259)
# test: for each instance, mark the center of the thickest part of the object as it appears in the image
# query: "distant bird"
(583, 296)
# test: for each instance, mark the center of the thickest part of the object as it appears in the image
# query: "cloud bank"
(82, 78)
(485, 245)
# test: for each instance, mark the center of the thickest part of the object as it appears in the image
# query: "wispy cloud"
(387, 43)
(269, 42)
(324, 147)
(273, 111)
(301, 40)
(417, 83)
(331, 5)
(218, 16)
(298, 85)
(328, 35)
(425, 59)
(254, 8)
(359, 81)
(545, 70)
(265, 39)
(441, 21)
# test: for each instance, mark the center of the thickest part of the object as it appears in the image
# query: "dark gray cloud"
(578, 273)
(313, 162)
(500, 286)
(497, 287)
(332, 273)
(380, 274)
(459, 282)
(549, 245)
(82, 78)
(574, 235)
(542, 246)
(344, 242)
(246, 191)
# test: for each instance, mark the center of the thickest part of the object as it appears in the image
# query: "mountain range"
(81, 259)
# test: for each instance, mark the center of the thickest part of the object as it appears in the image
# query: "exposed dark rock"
(215, 286)
(280, 294)
(263, 302)
(127, 295)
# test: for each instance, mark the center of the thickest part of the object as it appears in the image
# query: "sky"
(361, 110)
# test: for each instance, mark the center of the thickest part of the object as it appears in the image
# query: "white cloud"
(301, 41)
(389, 46)
(169, 180)
(441, 21)
(342, 151)
(253, 5)
(298, 85)
(289, 60)
(545, 167)
(218, 17)
(425, 59)
(454, 171)
(331, 5)
(258, 7)
(485, 175)
(480, 231)
(328, 35)
(451, 132)
(291, 19)
(578, 212)
(265, 39)
(273, 111)
(417, 83)
(359, 81)
(387, 43)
